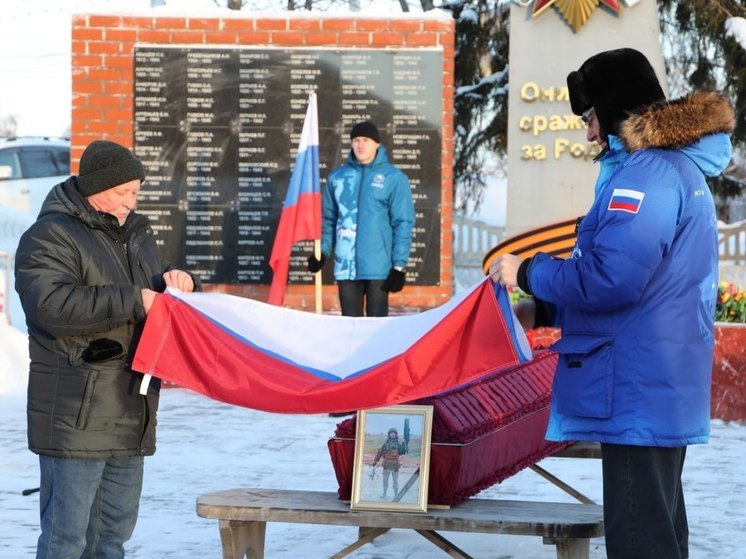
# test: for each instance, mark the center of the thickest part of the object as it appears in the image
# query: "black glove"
(395, 281)
(314, 264)
(102, 349)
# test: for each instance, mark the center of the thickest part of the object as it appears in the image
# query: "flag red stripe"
(298, 222)
(183, 346)
(302, 202)
(628, 206)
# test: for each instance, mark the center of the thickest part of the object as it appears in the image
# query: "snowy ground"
(208, 446)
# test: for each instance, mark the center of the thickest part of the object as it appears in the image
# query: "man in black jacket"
(87, 272)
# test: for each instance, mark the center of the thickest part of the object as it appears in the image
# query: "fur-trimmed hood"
(679, 123)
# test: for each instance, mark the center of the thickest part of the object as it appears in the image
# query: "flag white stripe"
(339, 345)
(309, 136)
(627, 193)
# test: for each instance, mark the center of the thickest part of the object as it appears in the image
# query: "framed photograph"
(392, 459)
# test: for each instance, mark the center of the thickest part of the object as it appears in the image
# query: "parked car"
(29, 168)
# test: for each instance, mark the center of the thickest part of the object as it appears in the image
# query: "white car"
(29, 168)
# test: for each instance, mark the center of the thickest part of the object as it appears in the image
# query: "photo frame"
(392, 459)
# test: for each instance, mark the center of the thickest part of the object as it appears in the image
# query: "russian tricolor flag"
(248, 353)
(626, 200)
(301, 214)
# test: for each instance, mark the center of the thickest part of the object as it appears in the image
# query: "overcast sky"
(35, 52)
(35, 60)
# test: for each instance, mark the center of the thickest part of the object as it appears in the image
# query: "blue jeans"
(88, 506)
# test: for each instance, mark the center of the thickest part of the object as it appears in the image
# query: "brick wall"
(102, 96)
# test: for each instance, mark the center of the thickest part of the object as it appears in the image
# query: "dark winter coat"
(79, 276)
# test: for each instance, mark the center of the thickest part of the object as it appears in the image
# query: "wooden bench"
(244, 513)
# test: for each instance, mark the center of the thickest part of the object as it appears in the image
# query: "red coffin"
(483, 432)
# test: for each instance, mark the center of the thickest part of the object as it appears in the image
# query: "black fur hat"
(615, 83)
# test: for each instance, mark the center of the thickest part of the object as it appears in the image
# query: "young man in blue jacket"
(636, 299)
(367, 217)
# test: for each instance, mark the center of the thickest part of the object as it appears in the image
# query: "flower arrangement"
(731, 303)
(516, 294)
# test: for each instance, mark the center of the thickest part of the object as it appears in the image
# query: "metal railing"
(472, 239)
(732, 252)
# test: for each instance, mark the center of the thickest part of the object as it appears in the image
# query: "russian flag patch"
(626, 200)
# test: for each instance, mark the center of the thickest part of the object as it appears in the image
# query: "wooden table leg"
(365, 535)
(441, 542)
(365, 531)
(242, 539)
(562, 485)
(571, 548)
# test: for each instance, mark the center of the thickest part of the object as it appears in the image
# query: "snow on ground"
(208, 446)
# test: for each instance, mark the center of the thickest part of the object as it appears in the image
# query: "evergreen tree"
(481, 95)
(699, 55)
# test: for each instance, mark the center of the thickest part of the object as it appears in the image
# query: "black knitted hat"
(616, 83)
(366, 129)
(104, 165)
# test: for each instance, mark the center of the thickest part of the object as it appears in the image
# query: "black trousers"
(354, 295)
(644, 510)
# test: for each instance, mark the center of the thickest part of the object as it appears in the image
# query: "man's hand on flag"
(148, 296)
(504, 270)
(180, 280)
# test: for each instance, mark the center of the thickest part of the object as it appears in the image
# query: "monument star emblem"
(575, 12)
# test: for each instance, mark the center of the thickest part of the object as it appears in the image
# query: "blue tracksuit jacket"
(367, 216)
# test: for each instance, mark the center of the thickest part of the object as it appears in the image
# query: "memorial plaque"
(217, 130)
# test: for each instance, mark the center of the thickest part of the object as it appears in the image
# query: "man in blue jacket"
(367, 217)
(636, 299)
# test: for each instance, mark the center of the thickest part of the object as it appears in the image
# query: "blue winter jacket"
(637, 296)
(367, 216)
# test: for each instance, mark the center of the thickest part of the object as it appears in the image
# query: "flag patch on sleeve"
(626, 200)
